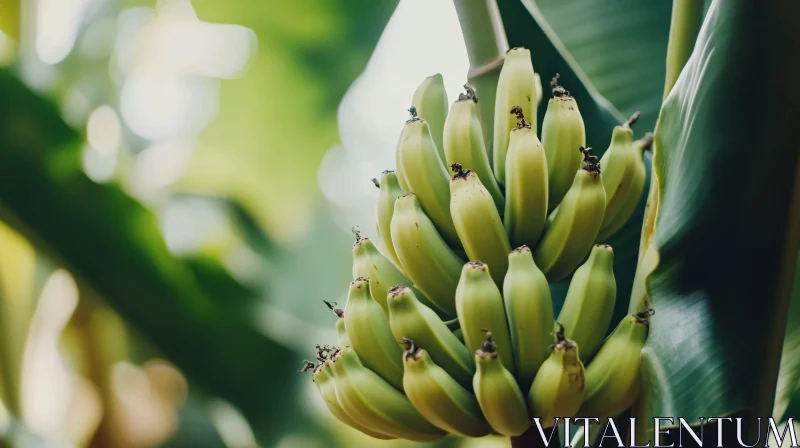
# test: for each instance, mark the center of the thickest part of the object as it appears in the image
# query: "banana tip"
(590, 163)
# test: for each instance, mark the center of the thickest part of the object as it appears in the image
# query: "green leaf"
(787, 397)
(727, 228)
(112, 245)
(620, 46)
(277, 121)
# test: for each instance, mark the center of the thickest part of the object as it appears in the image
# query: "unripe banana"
(428, 261)
(411, 319)
(324, 380)
(369, 263)
(373, 402)
(480, 307)
(626, 198)
(526, 185)
(370, 334)
(589, 304)
(537, 84)
(464, 143)
(438, 397)
(497, 392)
(529, 309)
(619, 167)
(342, 339)
(478, 224)
(572, 228)
(516, 87)
(558, 387)
(390, 190)
(563, 133)
(424, 174)
(612, 378)
(430, 100)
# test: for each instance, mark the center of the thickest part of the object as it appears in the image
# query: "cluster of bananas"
(448, 330)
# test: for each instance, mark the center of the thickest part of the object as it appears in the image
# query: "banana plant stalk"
(487, 45)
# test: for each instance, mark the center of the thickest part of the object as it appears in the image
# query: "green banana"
(409, 318)
(528, 305)
(537, 84)
(342, 339)
(562, 133)
(324, 380)
(389, 192)
(526, 184)
(440, 398)
(558, 388)
(612, 378)
(619, 166)
(373, 402)
(430, 100)
(624, 201)
(398, 170)
(464, 143)
(369, 263)
(516, 87)
(498, 394)
(480, 307)
(572, 228)
(428, 261)
(590, 300)
(424, 174)
(478, 223)
(370, 334)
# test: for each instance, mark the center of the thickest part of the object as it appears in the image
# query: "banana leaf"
(787, 397)
(729, 219)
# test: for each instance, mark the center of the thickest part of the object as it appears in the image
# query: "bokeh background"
(173, 280)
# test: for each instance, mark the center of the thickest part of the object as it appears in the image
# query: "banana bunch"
(446, 329)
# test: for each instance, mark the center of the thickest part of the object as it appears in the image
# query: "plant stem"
(687, 17)
(486, 43)
(531, 439)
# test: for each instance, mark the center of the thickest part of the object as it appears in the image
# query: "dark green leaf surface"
(727, 163)
(787, 398)
(620, 45)
(112, 245)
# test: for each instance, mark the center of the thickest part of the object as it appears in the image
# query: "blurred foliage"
(194, 310)
(22, 272)
(111, 243)
(9, 17)
(309, 53)
(729, 217)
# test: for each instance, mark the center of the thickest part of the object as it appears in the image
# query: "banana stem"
(687, 17)
(486, 42)
(532, 439)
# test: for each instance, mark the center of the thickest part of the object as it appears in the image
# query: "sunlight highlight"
(421, 39)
